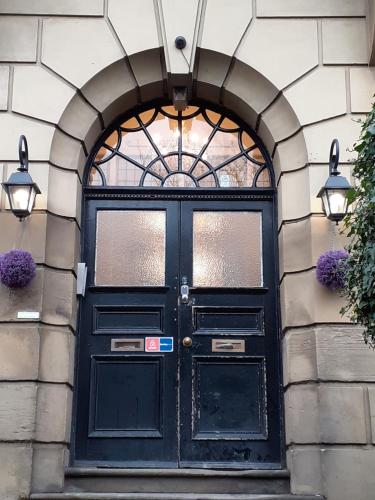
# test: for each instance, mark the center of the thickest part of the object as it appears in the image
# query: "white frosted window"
(227, 249)
(130, 248)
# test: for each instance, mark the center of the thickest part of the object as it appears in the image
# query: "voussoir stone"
(137, 30)
(318, 106)
(40, 94)
(292, 49)
(81, 55)
(216, 21)
(39, 137)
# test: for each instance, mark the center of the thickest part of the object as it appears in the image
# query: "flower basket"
(331, 269)
(17, 268)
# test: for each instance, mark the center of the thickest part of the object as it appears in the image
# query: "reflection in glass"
(130, 248)
(179, 180)
(149, 146)
(238, 173)
(223, 146)
(227, 249)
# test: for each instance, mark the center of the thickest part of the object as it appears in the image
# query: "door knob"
(187, 342)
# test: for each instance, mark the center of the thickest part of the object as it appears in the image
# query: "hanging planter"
(331, 269)
(17, 268)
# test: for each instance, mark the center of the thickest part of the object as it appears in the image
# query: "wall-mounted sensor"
(180, 42)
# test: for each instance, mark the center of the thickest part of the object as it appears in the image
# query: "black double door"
(178, 362)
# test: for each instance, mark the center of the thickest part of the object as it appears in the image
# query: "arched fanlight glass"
(20, 188)
(195, 148)
(334, 193)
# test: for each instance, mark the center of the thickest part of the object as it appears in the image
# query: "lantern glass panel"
(337, 201)
(22, 198)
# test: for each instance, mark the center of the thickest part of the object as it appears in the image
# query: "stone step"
(166, 496)
(197, 481)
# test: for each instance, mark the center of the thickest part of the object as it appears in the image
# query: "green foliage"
(360, 225)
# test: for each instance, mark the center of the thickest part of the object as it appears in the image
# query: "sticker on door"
(159, 344)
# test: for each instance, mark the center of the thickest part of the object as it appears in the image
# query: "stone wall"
(297, 72)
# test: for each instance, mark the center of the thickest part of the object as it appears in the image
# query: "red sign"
(152, 344)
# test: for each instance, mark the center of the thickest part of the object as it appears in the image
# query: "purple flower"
(331, 269)
(17, 268)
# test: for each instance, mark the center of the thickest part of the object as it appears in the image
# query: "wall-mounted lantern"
(20, 188)
(335, 191)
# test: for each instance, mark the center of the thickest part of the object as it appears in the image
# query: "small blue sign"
(166, 344)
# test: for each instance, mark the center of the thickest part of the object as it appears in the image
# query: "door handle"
(184, 290)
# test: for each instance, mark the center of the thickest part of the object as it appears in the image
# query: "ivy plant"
(359, 288)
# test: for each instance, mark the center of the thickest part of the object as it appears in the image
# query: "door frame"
(161, 193)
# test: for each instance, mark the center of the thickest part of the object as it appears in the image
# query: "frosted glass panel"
(130, 248)
(227, 249)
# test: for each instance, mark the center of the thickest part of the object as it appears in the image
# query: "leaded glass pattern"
(196, 148)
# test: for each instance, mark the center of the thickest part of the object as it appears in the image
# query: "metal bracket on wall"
(81, 278)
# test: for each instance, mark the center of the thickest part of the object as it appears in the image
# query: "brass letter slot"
(127, 345)
(225, 345)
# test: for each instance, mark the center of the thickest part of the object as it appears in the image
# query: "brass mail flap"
(228, 345)
(127, 345)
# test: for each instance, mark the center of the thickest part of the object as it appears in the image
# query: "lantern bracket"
(23, 153)
(334, 156)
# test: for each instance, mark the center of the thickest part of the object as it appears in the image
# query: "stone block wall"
(297, 71)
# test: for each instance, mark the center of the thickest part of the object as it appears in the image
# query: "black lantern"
(335, 191)
(20, 188)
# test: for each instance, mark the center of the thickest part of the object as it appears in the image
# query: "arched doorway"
(178, 358)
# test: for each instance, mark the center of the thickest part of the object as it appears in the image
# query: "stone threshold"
(167, 496)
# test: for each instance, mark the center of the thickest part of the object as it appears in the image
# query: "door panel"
(213, 404)
(229, 398)
(126, 401)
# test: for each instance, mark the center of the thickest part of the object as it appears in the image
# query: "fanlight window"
(196, 148)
